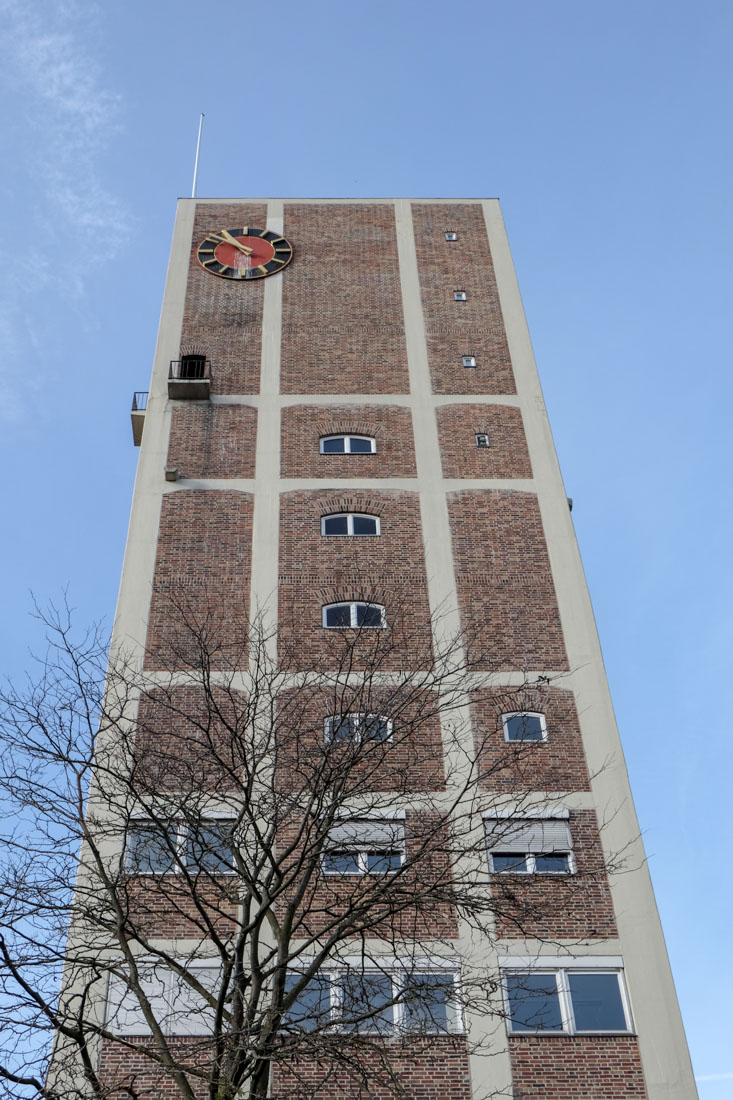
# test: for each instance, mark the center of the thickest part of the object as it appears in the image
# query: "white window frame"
(182, 830)
(336, 719)
(350, 524)
(352, 605)
(530, 861)
(483, 446)
(468, 360)
(588, 965)
(347, 437)
(399, 976)
(363, 848)
(451, 234)
(179, 1020)
(460, 296)
(523, 714)
(531, 865)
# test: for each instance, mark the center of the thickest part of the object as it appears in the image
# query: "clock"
(244, 253)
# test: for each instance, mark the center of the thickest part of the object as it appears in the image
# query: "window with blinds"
(526, 846)
(365, 846)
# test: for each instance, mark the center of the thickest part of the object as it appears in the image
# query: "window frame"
(561, 974)
(362, 849)
(451, 235)
(178, 864)
(524, 714)
(347, 437)
(468, 361)
(350, 525)
(460, 296)
(530, 862)
(530, 858)
(352, 605)
(480, 437)
(358, 718)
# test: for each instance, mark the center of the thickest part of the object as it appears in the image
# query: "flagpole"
(196, 162)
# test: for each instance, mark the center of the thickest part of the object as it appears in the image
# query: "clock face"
(244, 253)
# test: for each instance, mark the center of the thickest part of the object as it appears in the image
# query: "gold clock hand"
(233, 240)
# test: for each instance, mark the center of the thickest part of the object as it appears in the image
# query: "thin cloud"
(715, 1077)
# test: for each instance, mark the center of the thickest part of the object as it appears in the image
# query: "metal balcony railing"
(140, 401)
(137, 415)
(190, 378)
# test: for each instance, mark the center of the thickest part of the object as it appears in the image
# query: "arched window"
(348, 445)
(356, 613)
(350, 523)
(524, 725)
(349, 728)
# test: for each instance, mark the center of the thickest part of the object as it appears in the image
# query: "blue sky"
(604, 129)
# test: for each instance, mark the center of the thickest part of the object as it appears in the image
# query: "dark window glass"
(149, 850)
(597, 1004)
(312, 1007)
(368, 615)
(344, 728)
(360, 446)
(336, 525)
(209, 847)
(557, 863)
(338, 615)
(515, 862)
(427, 1002)
(523, 727)
(374, 728)
(365, 525)
(365, 1002)
(333, 446)
(381, 863)
(534, 1004)
(341, 863)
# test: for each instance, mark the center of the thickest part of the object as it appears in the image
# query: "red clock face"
(244, 253)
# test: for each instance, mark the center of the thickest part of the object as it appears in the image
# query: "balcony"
(137, 415)
(189, 378)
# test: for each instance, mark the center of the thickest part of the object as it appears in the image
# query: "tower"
(345, 432)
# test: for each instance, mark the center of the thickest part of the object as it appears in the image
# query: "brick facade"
(578, 1067)
(218, 319)
(454, 329)
(507, 454)
(213, 440)
(302, 427)
(505, 591)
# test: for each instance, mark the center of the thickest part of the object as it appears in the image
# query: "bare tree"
(238, 879)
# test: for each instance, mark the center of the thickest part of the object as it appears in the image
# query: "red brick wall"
(505, 591)
(126, 1071)
(303, 426)
(223, 317)
(557, 764)
(343, 330)
(560, 906)
(213, 440)
(587, 1067)
(201, 581)
(507, 455)
(453, 329)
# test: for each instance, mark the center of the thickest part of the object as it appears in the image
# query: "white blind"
(366, 832)
(528, 835)
(178, 1009)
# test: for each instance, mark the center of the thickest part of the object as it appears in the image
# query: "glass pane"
(523, 727)
(374, 728)
(360, 446)
(338, 615)
(597, 1004)
(365, 525)
(515, 862)
(343, 728)
(333, 446)
(534, 1004)
(150, 851)
(368, 614)
(341, 863)
(312, 1007)
(336, 525)
(209, 848)
(381, 863)
(428, 1002)
(552, 863)
(364, 1002)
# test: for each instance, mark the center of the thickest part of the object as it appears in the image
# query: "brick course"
(578, 1067)
(343, 330)
(507, 454)
(453, 329)
(505, 591)
(213, 440)
(304, 425)
(223, 317)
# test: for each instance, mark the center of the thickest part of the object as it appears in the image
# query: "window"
(349, 728)
(451, 235)
(383, 1001)
(177, 1006)
(169, 848)
(348, 445)
(524, 725)
(469, 360)
(459, 296)
(354, 614)
(571, 1000)
(350, 523)
(529, 846)
(365, 847)
(482, 439)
